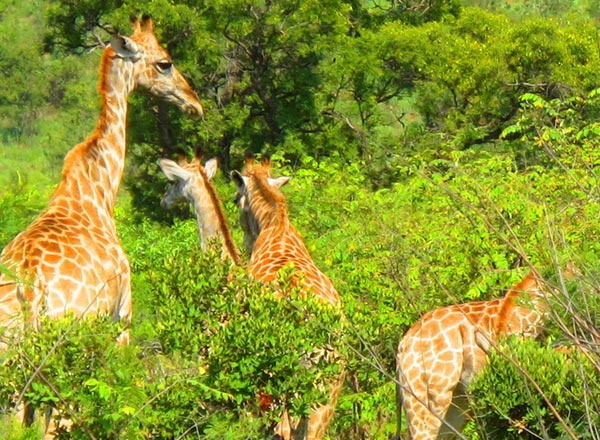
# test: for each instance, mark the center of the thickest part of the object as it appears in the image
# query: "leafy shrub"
(524, 384)
(76, 367)
(210, 317)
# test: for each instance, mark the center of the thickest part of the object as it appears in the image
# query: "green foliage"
(23, 203)
(559, 134)
(242, 339)
(542, 374)
(23, 88)
(76, 367)
(12, 429)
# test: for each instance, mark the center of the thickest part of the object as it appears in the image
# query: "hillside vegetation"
(437, 149)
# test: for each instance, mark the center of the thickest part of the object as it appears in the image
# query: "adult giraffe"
(274, 244)
(440, 355)
(70, 258)
(192, 182)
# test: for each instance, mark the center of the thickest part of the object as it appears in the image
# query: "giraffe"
(192, 182)
(274, 243)
(440, 355)
(70, 258)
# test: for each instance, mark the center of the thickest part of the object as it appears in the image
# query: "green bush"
(76, 367)
(204, 315)
(23, 204)
(511, 395)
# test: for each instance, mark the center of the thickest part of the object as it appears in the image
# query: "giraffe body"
(274, 244)
(441, 354)
(70, 260)
(192, 182)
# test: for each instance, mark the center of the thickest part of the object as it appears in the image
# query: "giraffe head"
(191, 182)
(256, 190)
(185, 178)
(152, 67)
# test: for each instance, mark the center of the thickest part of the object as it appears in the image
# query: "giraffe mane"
(73, 156)
(527, 284)
(212, 194)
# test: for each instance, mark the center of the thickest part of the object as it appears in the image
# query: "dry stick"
(514, 422)
(585, 352)
(587, 404)
(575, 316)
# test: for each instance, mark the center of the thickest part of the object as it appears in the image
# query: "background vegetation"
(437, 148)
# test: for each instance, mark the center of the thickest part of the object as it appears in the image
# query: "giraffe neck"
(522, 309)
(267, 208)
(93, 169)
(210, 217)
(205, 211)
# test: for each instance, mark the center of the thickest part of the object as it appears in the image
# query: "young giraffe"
(440, 355)
(70, 259)
(191, 182)
(274, 243)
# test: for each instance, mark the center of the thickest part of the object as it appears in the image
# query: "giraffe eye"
(164, 66)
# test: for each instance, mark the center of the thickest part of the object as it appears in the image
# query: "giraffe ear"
(172, 170)
(125, 47)
(238, 179)
(279, 182)
(210, 167)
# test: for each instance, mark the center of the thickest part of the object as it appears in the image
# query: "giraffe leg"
(456, 417)
(422, 423)
(321, 417)
(283, 430)
(426, 409)
(26, 414)
(53, 423)
(319, 421)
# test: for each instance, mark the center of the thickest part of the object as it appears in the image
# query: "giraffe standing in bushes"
(440, 355)
(70, 258)
(192, 182)
(275, 243)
